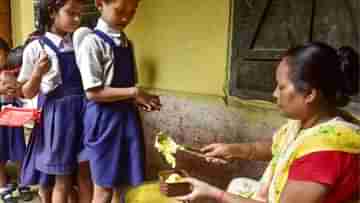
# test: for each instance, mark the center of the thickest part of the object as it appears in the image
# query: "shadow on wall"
(148, 67)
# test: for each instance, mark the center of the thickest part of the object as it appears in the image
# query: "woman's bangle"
(220, 196)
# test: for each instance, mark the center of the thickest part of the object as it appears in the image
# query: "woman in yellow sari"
(315, 157)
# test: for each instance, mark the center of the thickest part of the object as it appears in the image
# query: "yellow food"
(167, 147)
(173, 178)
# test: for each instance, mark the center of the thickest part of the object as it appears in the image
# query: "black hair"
(14, 59)
(46, 8)
(109, 1)
(32, 36)
(335, 73)
(4, 45)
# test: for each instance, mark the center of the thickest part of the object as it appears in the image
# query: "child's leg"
(84, 183)
(25, 192)
(102, 195)
(18, 170)
(3, 176)
(62, 188)
(73, 195)
(119, 194)
(116, 196)
(45, 194)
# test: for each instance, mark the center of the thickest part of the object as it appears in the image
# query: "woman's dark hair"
(4, 45)
(335, 73)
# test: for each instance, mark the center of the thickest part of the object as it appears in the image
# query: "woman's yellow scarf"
(291, 143)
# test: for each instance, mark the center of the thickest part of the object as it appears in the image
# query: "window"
(263, 29)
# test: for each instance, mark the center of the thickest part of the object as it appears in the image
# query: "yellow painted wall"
(22, 20)
(180, 45)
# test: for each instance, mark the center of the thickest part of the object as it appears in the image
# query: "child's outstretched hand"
(42, 65)
(148, 102)
(155, 103)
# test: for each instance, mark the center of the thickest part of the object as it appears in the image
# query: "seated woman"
(315, 157)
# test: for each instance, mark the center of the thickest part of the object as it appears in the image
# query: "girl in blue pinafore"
(113, 137)
(12, 140)
(49, 68)
(29, 174)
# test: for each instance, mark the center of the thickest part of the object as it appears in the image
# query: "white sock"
(3, 189)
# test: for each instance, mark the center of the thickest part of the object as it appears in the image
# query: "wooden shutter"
(5, 23)
(264, 29)
(90, 14)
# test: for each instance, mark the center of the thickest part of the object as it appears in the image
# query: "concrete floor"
(35, 200)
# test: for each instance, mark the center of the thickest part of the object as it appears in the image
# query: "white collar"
(104, 27)
(57, 40)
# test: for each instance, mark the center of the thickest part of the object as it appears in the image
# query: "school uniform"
(113, 136)
(12, 140)
(60, 140)
(29, 174)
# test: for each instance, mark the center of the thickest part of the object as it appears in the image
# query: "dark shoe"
(8, 196)
(26, 194)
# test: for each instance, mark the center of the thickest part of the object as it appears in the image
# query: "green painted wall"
(180, 45)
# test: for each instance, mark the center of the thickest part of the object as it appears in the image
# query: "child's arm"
(90, 61)
(110, 94)
(32, 86)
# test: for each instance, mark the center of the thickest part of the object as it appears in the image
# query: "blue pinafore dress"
(60, 139)
(12, 140)
(113, 135)
(29, 174)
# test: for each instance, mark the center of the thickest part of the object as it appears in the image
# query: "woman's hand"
(241, 151)
(221, 150)
(199, 189)
(148, 102)
(42, 65)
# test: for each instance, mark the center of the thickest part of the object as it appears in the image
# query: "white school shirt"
(95, 57)
(52, 78)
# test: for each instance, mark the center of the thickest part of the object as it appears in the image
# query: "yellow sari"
(291, 142)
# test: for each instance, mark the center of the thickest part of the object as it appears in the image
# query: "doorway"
(5, 20)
